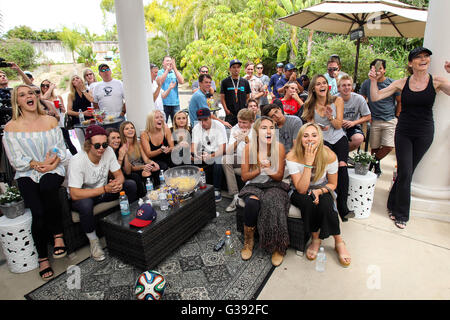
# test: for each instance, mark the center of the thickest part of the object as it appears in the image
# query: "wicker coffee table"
(148, 246)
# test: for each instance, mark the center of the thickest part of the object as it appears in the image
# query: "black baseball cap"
(103, 66)
(416, 51)
(235, 61)
(203, 113)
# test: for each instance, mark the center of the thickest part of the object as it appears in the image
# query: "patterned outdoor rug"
(193, 272)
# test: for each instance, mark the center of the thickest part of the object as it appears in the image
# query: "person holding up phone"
(313, 170)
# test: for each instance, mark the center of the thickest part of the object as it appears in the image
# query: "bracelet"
(307, 166)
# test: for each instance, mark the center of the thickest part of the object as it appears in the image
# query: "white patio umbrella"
(378, 18)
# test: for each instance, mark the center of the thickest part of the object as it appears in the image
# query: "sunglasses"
(104, 70)
(104, 145)
(203, 71)
(332, 69)
(45, 86)
(259, 67)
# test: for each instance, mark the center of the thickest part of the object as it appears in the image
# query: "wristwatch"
(332, 118)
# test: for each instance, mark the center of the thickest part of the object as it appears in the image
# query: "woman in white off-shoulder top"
(35, 148)
(313, 168)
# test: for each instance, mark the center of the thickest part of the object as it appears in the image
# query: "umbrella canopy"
(379, 18)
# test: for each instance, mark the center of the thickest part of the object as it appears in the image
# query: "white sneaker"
(97, 252)
(232, 205)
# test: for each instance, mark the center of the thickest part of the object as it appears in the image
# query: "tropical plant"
(86, 55)
(19, 51)
(71, 39)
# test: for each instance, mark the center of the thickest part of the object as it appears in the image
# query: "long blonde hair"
(321, 159)
(310, 103)
(136, 145)
(254, 146)
(16, 110)
(72, 88)
(150, 123)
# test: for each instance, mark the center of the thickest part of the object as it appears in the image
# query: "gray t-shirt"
(355, 108)
(288, 132)
(383, 109)
(332, 135)
(265, 81)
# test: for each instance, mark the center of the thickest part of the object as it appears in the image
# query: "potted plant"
(11, 203)
(362, 161)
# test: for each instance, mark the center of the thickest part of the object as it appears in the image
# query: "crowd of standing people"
(286, 137)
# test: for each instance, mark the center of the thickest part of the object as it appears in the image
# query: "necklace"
(236, 87)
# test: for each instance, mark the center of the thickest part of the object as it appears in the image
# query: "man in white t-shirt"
(108, 94)
(88, 182)
(157, 90)
(240, 135)
(209, 139)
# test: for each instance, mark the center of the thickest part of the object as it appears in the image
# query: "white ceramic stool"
(17, 243)
(360, 193)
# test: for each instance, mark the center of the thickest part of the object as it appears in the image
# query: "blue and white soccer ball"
(150, 285)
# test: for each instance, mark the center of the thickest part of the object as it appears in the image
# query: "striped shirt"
(23, 147)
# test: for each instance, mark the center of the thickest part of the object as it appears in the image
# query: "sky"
(54, 14)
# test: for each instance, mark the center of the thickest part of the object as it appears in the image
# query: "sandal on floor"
(56, 249)
(400, 224)
(343, 258)
(46, 270)
(391, 215)
(312, 254)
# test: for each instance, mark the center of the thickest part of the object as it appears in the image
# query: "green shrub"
(19, 51)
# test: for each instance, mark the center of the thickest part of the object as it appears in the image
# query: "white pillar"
(430, 188)
(134, 59)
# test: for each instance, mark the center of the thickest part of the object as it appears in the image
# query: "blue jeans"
(85, 207)
(170, 112)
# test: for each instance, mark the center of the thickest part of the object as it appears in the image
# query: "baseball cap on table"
(235, 61)
(416, 51)
(145, 215)
(280, 65)
(289, 66)
(203, 113)
(94, 130)
(103, 66)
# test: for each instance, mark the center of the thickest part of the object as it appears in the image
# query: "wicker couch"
(297, 236)
(74, 237)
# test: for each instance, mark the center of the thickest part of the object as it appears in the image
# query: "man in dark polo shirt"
(290, 74)
(234, 92)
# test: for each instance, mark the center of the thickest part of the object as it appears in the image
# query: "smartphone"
(378, 65)
(321, 125)
(313, 196)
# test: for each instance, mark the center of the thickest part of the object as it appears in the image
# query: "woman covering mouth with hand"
(313, 170)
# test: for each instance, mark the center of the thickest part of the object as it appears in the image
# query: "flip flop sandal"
(400, 224)
(342, 257)
(46, 270)
(56, 249)
(391, 215)
(314, 252)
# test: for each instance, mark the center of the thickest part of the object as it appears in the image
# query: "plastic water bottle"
(161, 179)
(149, 185)
(80, 116)
(54, 151)
(229, 249)
(202, 184)
(321, 260)
(163, 203)
(124, 204)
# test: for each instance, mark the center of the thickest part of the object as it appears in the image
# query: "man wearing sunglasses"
(109, 94)
(90, 185)
(332, 75)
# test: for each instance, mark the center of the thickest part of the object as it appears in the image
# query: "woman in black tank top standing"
(415, 128)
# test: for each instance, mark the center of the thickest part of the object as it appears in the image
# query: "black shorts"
(353, 130)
